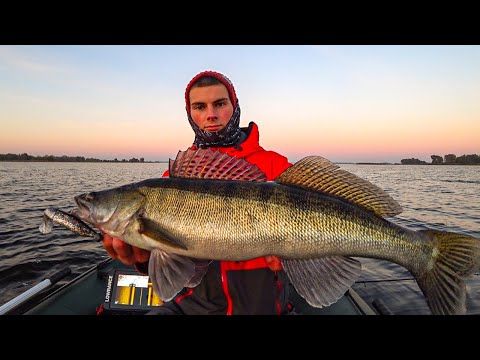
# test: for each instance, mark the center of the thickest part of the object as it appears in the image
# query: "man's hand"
(127, 254)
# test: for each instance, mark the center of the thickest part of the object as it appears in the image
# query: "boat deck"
(84, 294)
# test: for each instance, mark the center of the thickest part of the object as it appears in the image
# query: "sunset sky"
(346, 103)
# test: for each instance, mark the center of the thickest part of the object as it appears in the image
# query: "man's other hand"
(274, 263)
(127, 254)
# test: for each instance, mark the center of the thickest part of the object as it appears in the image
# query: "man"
(257, 286)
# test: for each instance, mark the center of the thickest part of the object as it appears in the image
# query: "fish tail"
(46, 226)
(454, 258)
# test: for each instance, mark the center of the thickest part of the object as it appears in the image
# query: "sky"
(347, 103)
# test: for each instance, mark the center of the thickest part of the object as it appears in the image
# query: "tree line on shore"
(450, 159)
(63, 158)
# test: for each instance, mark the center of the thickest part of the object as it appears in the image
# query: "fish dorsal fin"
(319, 174)
(209, 164)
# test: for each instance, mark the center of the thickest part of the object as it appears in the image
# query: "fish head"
(110, 210)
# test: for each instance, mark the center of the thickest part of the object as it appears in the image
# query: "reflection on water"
(436, 197)
(26, 190)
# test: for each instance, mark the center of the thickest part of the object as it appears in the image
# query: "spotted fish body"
(242, 220)
(315, 217)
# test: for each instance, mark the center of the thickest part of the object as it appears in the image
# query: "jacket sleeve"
(278, 164)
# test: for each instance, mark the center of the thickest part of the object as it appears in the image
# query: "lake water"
(436, 197)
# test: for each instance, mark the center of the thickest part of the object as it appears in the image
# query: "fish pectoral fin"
(169, 273)
(201, 267)
(151, 229)
(322, 281)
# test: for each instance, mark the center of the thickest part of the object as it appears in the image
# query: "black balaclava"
(231, 134)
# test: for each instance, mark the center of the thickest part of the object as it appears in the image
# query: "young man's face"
(210, 107)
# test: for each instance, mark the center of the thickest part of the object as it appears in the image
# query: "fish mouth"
(84, 207)
(83, 203)
(93, 210)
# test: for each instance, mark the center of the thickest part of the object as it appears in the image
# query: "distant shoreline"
(166, 162)
(99, 161)
(386, 163)
(450, 159)
(369, 163)
(64, 158)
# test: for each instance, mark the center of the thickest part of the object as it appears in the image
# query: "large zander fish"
(315, 217)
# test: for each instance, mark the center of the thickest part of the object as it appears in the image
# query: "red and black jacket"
(240, 287)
